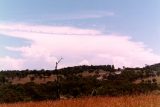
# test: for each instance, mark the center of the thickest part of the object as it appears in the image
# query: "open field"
(126, 101)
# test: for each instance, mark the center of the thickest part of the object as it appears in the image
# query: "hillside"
(44, 76)
(155, 67)
(100, 72)
(75, 82)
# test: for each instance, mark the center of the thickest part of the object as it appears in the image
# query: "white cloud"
(41, 29)
(76, 46)
(84, 62)
(10, 63)
(79, 15)
(87, 15)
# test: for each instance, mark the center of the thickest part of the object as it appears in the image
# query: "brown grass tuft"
(126, 101)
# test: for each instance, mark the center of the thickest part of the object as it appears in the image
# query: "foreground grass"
(126, 101)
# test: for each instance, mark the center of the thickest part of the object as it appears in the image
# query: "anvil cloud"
(76, 45)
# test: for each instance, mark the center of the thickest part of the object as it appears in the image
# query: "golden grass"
(126, 101)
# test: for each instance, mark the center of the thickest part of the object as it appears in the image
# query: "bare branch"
(58, 63)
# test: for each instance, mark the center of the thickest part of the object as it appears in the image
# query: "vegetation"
(76, 82)
(124, 101)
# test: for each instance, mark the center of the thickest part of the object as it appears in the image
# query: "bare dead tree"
(58, 63)
(57, 80)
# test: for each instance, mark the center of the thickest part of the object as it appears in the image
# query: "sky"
(34, 34)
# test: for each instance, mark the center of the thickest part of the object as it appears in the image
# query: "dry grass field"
(126, 101)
